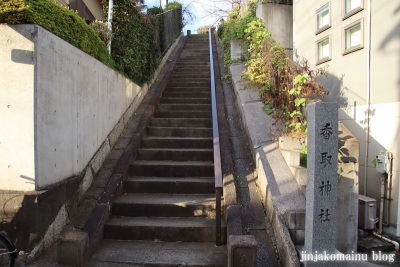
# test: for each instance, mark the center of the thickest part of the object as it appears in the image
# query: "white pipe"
(389, 186)
(368, 94)
(398, 216)
(110, 12)
(396, 244)
(380, 230)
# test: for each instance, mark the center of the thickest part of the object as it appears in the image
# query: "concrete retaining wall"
(278, 21)
(57, 104)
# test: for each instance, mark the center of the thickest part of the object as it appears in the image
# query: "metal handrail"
(217, 152)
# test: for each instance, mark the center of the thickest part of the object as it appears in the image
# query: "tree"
(219, 8)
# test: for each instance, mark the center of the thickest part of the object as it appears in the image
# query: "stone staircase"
(166, 213)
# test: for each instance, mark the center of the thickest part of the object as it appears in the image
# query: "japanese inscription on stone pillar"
(322, 167)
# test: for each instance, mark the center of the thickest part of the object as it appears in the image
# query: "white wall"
(17, 166)
(348, 82)
(57, 107)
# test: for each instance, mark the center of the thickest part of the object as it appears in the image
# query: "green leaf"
(295, 113)
(299, 102)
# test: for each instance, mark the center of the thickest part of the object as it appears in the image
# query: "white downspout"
(368, 95)
(398, 215)
(110, 12)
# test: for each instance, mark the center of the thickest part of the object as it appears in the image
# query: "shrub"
(133, 46)
(59, 20)
(270, 68)
(204, 29)
(101, 27)
(178, 7)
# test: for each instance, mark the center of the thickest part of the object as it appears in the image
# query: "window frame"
(329, 57)
(351, 12)
(349, 50)
(325, 27)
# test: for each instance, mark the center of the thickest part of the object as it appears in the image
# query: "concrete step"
(162, 254)
(182, 100)
(183, 107)
(180, 89)
(183, 114)
(181, 122)
(197, 41)
(177, 142)
(164, 205)
(186, 71)
(170, 229)
(179, 132)
(202, 55)
(192, 68)
(190, 75)
(189, 84)
(199, 59)
(170, 185)
(184, 79)
(175, 154)
(184, 94)
(171, 168)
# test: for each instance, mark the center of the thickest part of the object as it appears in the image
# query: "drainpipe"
(383, 179)
(389, 187)
(398, 216)
(110, 11)
(396, 245)
(368, 94)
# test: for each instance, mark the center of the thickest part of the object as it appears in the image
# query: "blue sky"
(198, 8)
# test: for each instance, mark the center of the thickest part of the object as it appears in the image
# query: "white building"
(360, 42)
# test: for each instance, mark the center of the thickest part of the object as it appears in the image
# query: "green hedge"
(178, 6)
(134, 52)
(59, 20)
(133, 45)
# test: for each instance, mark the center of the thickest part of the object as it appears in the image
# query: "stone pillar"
(321, 197)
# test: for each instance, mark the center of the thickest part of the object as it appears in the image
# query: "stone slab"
(276, 181)
(73, 248)
(242, 251)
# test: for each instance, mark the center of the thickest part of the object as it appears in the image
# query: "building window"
(350, 7)
(353, 37)
(324, 49)
(323, 18)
